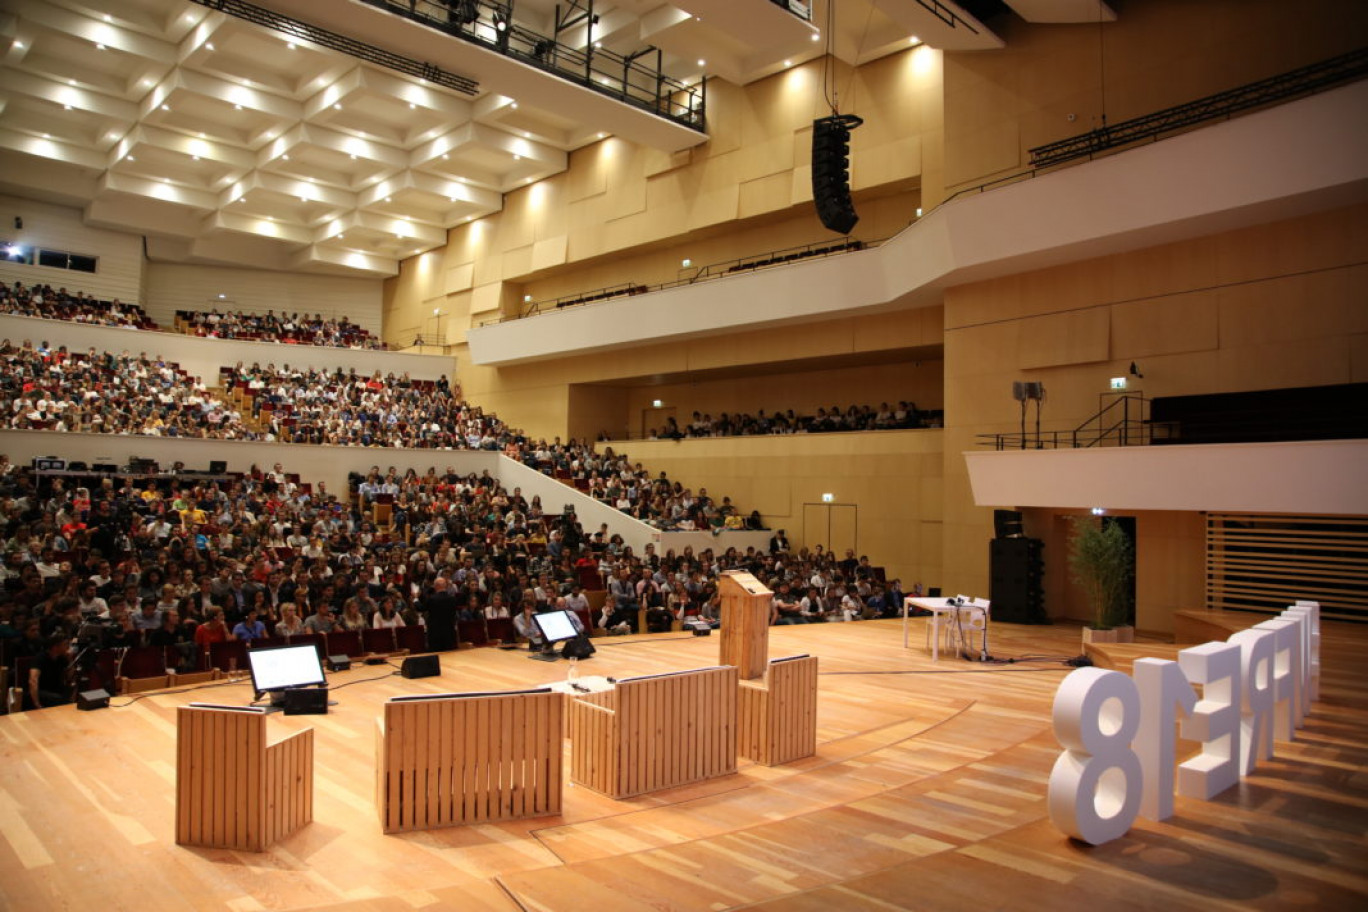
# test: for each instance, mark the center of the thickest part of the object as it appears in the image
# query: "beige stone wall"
(885, 486)
(1278, 305)
(1000, 104)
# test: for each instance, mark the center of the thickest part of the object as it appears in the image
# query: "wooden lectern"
(454, 759)
(655, 732)
(746, 605)
(777, 716)
(233, 790)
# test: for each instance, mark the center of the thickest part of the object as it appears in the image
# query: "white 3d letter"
(1256, 706)
(1095, 786)
(1215, 722)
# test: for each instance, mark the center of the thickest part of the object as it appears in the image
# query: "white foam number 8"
(1096, 784)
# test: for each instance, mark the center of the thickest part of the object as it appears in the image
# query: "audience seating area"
(291, 329)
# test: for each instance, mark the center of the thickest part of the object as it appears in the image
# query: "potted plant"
(1102, 561)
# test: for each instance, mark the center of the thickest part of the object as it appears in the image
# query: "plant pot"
(1124, 634)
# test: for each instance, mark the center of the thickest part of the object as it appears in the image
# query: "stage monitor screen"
(557, 625)
(284, 667)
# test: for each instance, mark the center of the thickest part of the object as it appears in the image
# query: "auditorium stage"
(927, 792)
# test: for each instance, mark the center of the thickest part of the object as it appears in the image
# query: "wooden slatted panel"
(1261, 562)
(655, 733)
(233, 791)
(469, 760)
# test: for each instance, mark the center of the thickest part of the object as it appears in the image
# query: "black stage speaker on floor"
(92, 699)
(306, 701)
(831, 171)
(428, 666)
(1016, 577)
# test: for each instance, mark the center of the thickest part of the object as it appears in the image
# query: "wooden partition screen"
(462, 759)
(777, 716)
(233, 790)
(655, 732)
(745, 623)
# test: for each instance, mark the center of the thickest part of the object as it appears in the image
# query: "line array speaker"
(831, 171)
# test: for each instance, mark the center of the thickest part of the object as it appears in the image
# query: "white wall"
(204, 357)
(184, 286)
(1300, 157)
(119, 273)
(1320, 476)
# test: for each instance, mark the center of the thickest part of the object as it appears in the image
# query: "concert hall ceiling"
(225, 141)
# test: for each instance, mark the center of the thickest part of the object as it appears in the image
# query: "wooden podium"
(746, 605)
(233, 790)
(777, 716)
(456, 759)
(655, 732)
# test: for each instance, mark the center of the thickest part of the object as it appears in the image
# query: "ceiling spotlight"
(166, 107)
(286, 156)
(914, 40)
(66, 107)
(337, 107)
(816, 36)
(290, 45)
(237, 107)
(514, 106)
(98, 46)
(412, 106)
(702, 62)
(445, 156)
(500, 20)
(209, 45)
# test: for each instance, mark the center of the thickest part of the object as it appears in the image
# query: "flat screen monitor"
(276, 668)
(557, 626)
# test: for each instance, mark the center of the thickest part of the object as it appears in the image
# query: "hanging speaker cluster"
(831, 171)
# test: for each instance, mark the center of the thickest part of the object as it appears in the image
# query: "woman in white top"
(386, 615)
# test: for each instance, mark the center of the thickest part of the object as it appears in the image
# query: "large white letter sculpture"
(1119, 735)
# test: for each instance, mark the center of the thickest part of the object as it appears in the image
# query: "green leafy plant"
(1102, 561)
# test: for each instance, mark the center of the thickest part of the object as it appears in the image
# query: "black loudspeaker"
(306, 701)
(428, 666)
(702, 631)
(92, 699)
(1016, 575)
(578, 648)
(831, 171)
(339, 663)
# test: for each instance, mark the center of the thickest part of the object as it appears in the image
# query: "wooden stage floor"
(927, 793)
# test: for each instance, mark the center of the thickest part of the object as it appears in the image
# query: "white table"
(939, 607)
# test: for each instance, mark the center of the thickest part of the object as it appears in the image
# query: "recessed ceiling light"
(914, 40)
(286, 156)
(47, 136)
(353, 156)
(290, 45)
(702, 62)
(201, 134)
(816, 36)
(131, 158)
(451, 199)
(209, 45)
(337, 106)
(237, 107)
(194, 158)
(19, 45)
(388, 200)
(166, 107)
(66, 107)
(71, 82)
(514, 106)
(602, 135)
(98, 46)
(517, 157)
(303, 200)
(412, 106)
(788, 63)
(445, 156)
(106, 18)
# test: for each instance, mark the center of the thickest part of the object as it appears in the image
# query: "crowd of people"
(77, 307)
(47, 388)
(826, 421)
(183, 562)
(291, 329)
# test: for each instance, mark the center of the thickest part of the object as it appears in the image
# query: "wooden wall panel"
(467, 760)
(233, 790)
(777, 716)
(655, 733)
